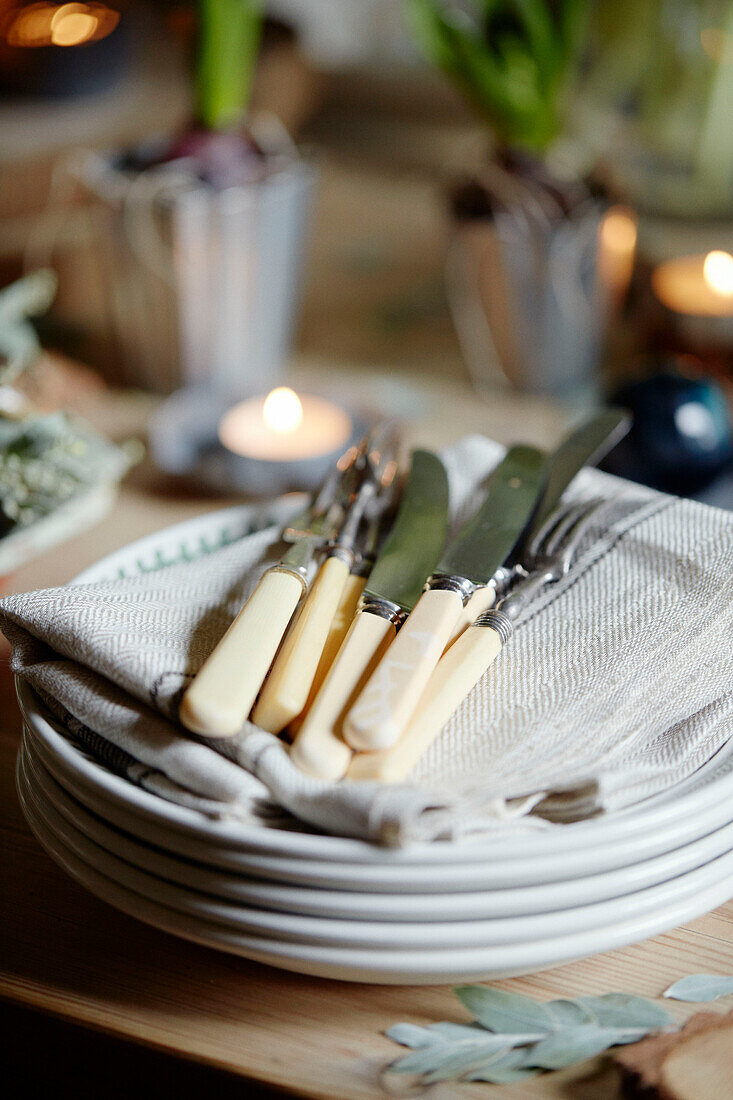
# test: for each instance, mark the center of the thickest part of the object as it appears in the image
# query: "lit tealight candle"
(283, 427)
(700, 286)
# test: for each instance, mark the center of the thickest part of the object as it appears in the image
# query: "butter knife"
(394, 586)
(384, 707)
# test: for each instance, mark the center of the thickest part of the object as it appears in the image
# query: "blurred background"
(517, 208)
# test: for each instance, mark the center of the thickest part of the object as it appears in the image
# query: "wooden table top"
(64, 952)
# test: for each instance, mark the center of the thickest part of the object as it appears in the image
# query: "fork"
(547, 559)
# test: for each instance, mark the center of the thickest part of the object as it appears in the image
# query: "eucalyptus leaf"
(506, 1070)
(625, 1010)
(468, 1059)
(575, 1044)
(505, 1012)
(514, 1037)
(566, 1012)
(700, 987)
(444, 1059)
(409, 1035)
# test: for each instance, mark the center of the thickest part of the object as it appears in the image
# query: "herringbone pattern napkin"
(617, 684)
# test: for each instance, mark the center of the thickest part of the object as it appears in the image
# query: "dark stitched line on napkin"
(611, 546)
(175, 699)
(116, 759)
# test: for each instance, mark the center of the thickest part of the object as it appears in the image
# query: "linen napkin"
(617, 683)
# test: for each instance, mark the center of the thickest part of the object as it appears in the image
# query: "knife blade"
(383, 708)
(586, 445)
(405, 561)
(220, 697)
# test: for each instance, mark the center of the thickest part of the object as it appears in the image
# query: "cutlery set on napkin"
(366, 686)
(616, 684)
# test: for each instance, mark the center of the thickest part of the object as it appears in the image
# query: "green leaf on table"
(625, 1010)
(570, 1045)
(505, 1070)
(513, 1037)
(439, 1058)
(505, 1012)
(700, 987)
(565, 1013)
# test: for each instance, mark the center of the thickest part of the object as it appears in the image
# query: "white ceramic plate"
(383, 935)
(474, 905)
(386, 875)
(402, 967)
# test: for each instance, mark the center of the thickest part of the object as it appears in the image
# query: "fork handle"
(222, 693)
(386, 704)
(458, 672)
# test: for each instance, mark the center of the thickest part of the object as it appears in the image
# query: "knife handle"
(482, 599)
(286, 689)
(340, 624)
(386, 704)
(219, 700)
(319, 748)
(458, 672)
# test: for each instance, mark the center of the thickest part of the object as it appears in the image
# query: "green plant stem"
(229, 39)
(512, 59)
(715, 149)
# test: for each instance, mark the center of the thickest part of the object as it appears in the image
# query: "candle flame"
(47, 24)
(618, 230)
(282, 410)
(718, 272)
(72, 24)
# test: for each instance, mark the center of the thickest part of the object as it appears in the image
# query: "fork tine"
(562, 529)
(564, 542)
(537, 544)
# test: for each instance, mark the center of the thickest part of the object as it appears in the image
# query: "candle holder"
(696, 293)
(185, 438)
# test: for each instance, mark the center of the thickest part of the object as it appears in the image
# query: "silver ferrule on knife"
(448, 582)
(377, 605)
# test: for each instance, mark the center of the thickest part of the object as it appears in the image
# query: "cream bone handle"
(391, 694)
(483, 598)
(457, 673)
(285, 692)
(319, 748)
(342, 620)
(220, 698)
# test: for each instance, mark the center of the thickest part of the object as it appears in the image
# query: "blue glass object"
(681, 439)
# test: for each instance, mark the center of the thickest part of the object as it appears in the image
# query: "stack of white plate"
(328, 906)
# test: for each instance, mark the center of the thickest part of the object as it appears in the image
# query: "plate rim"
(650, 815)
(369, 878)
(341, 964)
(134, 851)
